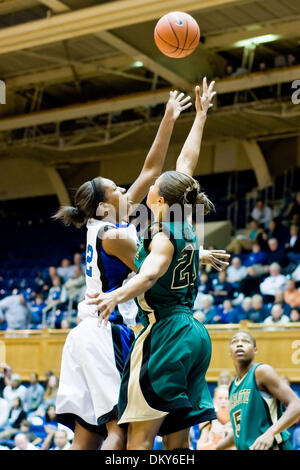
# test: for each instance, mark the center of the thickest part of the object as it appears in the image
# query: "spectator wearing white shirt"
(61, 440)
(262, 213)
(236, 272)
(22, 443)
(274, 282)
(15, 389)
(277, 317)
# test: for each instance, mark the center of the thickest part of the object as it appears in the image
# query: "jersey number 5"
(237, 422)
(183, 274)
(89, 257)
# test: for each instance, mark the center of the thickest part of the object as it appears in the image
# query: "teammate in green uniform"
(163, 387)
(256, 396)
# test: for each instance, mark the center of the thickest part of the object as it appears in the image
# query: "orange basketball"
(177, 34)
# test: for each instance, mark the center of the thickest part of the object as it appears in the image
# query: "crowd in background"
(262, 282)
(28, 414)
(260, 285)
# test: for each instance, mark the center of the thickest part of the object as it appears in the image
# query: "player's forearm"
(288, 418)
(157, 154)
(189, 155)
(135, 287)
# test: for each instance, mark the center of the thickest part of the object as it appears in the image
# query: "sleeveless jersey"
(176, 290)
(252, 412)
(105, 273)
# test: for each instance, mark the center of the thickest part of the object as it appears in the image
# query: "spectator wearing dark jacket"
(242, 311)
(258, 312)
(16, 416)
(221, 289)
(275, 253)
(293, 245)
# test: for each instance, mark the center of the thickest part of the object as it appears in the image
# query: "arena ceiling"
(84, 77)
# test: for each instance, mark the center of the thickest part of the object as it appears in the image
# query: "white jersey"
(95, 275)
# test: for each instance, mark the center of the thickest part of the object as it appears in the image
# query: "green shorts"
(164, 375)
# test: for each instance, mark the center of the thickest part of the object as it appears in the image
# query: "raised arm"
(157, 154)
(155, 265)
(188, 158)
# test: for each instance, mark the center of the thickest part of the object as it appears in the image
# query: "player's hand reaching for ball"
(204, 101)
(176, 104)
(105, 305)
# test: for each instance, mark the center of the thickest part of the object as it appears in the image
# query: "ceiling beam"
(64, 74)
(134, 100)
(55, 5)
(103, 17)
(226, 41)
(93, 108)
(149, 63)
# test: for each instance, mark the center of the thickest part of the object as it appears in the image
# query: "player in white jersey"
(93, 359)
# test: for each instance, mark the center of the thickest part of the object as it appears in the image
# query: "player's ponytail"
(86, 201)
(179, 188)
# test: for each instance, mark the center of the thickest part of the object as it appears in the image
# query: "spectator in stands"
(36, 309)
(251, 284)
(258, 312)
(31, 436)
(213, 431)
(77, 262)
(15, 311)
(292, 212)
(48, 281)
(279, 300)
(34, 394)
(4, 412)
(296, 274)
(279, 231)
(5, 376)
(228, 71)
(61, 440)
(15, 417)
(275, 253)
(14, 390)
(236, 272)
(277, 317)
(39, 281)
(75, 288)
(221, 288)
(203, 289)
(262, 213)
(256, 257)
(242, 311)
(244, 243)
(65, 271)
(225, 313)
(224, 378)
(50, 426)
(209, 310)
(50, 392)
(57, 295)
(272, 283)
(295, 315)
(22, 443)
(291, 294)
(293, 246)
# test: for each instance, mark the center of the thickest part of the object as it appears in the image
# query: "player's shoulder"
(264, 372)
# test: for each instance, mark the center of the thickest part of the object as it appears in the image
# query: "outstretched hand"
(176, 104)
(204, 101)
(105, 305)
(217, 258)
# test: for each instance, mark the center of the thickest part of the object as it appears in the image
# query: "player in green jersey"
(256, 396)
(163, 387)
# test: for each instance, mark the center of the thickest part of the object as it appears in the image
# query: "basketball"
(177, 34)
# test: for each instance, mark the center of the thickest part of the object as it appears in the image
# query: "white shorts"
(92, 362)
